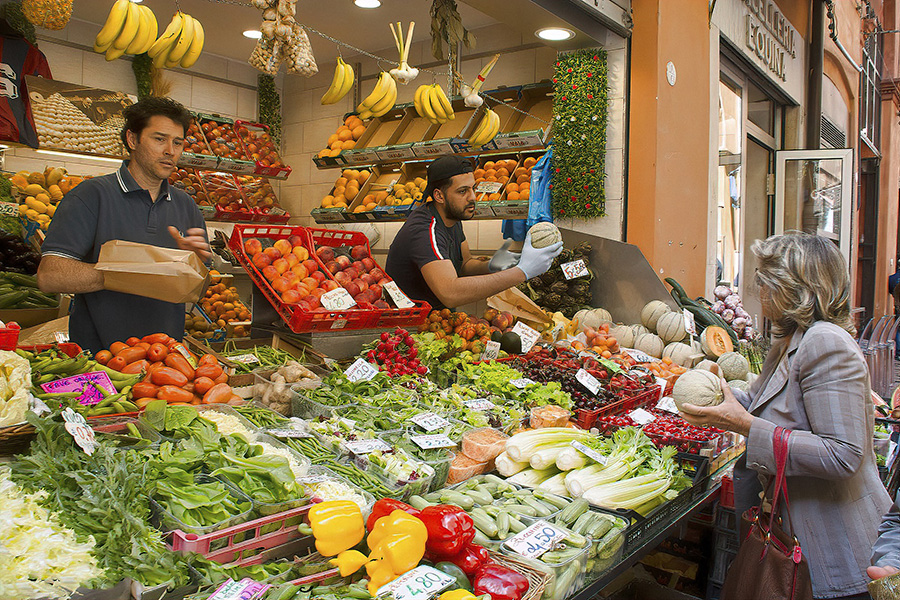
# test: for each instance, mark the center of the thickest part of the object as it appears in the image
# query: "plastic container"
(224, 409)
(266, 158)
(305, 407)
(404, 487)
(438, 459)
(9, 338)
(463, 468)
(319, 474)
(548, 416)
(483, 444)
(565, 578)
(118, 434)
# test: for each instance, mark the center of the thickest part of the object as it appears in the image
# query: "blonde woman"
(815, 383)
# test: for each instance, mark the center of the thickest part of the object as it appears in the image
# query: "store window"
(728, 238)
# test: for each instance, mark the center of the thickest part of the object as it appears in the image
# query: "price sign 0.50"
(535, 540)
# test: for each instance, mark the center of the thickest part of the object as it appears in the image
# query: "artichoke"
(552, 301)
(550, 277)
(580, 289)
(566, 256)
(560, 287)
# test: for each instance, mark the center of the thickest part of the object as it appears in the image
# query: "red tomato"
(157, 352)
(117, 363)
(168, 376)
(144, 390)
(133, 341)
(202, 385)
(218, 394)
(129, 355)
(171, 393)
(103, 356)
(180, 363)
(138, 366)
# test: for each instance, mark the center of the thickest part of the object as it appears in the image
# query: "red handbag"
(770, 562)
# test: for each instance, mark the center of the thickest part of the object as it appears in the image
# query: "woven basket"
(537, 580)
(16, 438)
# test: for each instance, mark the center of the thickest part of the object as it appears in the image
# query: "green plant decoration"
(269, 106)
(447, 28)
(141, 68)
(12, 12)
(579, 134)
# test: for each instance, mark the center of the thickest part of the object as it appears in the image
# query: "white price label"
(361, 370)
(60, 337)
(245, 359)
(574, 269)
(535, 540)
(639, 356)
(528, 335)
(9, 209)
(337, 299)
(588, 381)
(662, 383)
(429, 442)
(479, 404)
(485, 187)
(421, 583)
(288, 433)
(366, 446)
(430, 421)
(348, 422)
(400, 299)
(689, 324)
(522, 383)
(589, 452)
(641, 416)
(491, 351)
(667, 404)
(79, 430)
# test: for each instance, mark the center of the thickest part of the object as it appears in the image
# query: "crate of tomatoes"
(171, 372)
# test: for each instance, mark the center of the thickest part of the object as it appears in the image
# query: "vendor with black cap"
(429, 258)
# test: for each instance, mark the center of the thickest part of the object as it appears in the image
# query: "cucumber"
(11, 299)
(574, 510)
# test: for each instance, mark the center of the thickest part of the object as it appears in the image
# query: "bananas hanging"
(487, 128)
(132, 28)
(382, 98)
(432, 104)
(341, 84)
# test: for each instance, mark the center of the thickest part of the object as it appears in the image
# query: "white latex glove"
(503, 258)
(536, 261)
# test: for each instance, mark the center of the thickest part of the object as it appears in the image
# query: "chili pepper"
(500, 582)
(386, 506)
(397, 542)
(471, 558)
(450, 529)
(337, 526)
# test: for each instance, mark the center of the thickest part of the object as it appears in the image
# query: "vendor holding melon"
(429, 257)
(815, 384)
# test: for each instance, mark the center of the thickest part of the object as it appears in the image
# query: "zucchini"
(21, 280)
(11, 299)
(573, 511)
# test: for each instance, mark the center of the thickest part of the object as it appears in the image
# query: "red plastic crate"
(67, 348)
(726, 492)
(9, 338)
(297, 319)
(251, 540)
(261, 132)
(586, 418)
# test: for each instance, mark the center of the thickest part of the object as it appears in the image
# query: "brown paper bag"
(521, 307)
(151, 271)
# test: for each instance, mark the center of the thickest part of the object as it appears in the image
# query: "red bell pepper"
(471, 558)
(450, 530)
(500, 582)
(386, 506)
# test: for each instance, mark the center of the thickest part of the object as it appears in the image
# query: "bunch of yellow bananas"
(487, 128)
(341, 84)
(129, 29)
(382, 98)
(432, 103)
(180, 44)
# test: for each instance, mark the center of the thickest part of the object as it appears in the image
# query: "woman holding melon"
(815, 384)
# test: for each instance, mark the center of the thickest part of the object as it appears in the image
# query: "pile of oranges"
(492, 171)
(344, 138)
(346, 188)
(599, 341)
(223, 305)
(520, 189)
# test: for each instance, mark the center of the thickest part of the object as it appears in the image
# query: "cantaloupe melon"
(681, 354)
(651, 313)
(670, 327)
(593, 317)
(740, 384)
(649, 343)
(544, 234)
(751, 377)
(697, 387)
(637, 330)
(715, 342)
(733, 366)
(708, 365)
(623, 334)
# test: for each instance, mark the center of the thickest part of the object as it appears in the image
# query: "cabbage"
(15, 385)
(39, 557)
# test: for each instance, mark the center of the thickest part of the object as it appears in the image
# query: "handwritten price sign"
(361, 370)
(430, 421)
(535, 540)
(574, 269)
(421, 583)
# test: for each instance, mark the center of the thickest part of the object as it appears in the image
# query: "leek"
(532, 477)
(507, 466)
(522, 446)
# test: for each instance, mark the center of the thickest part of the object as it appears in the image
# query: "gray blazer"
(886, 552)
(818, 387)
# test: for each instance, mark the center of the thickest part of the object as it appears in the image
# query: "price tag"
(491, 351)
(639, 356)
(429, 442)
(245, 589)
(485, 187)
(400, 299)
(337, 299)
(689, 324)
(521, 383)
(361, 370)
(60, 337)
(479, 404)
(430, 421)
(588, 381)
(9, 209)
(535, 540)
(589, 452)
(84, 383)
(245, 359)
(667, 404)
(288, 433)
(421, 583)
(79, 430)
(528, 335)
(641, 416)
(366, 446)
(662, 383)
(348, 422)
(574, 269)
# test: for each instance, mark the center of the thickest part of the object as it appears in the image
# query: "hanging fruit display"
(487, 129)
(283, 40)
(382, 98)
(129, 29)
(341, 84)
(53, 14)
(403, 73)
(432, 103)
(180, 44)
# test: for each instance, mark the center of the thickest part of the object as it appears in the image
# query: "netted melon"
(715, 342)
(681, 354)
(740, 384)
(623, 334)
(592, 317)
(707, 365)
(733, 366)
(697, 387)
(670, 327)
(637, 330)
(651, 313)
(544, 234)
(649, 343)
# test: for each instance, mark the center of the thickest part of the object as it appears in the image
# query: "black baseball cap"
(444, 168)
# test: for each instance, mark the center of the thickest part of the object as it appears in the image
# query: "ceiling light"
(367, 3)
(253, 34)
(555, 34)
(79, 155)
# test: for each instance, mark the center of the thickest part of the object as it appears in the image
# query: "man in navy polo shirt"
(134, 204)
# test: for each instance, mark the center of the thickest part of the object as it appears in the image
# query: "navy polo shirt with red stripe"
(115, 207)
(422, 239)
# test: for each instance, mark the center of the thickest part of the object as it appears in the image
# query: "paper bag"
(162, 273)
(521, 307)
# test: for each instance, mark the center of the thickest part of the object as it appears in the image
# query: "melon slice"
(715, 342)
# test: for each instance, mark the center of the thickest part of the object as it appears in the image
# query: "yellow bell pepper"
(337, 526)
(349, 562)
(397, 542)
(457, 595)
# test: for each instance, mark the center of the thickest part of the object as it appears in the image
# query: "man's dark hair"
(443, 185)
(139, 114)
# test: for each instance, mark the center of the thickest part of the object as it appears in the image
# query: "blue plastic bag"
(539, 204)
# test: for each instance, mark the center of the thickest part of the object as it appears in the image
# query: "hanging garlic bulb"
(470, 93)
(403, 73)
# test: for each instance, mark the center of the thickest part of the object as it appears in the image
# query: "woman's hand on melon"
(730, 415)
(879, 572)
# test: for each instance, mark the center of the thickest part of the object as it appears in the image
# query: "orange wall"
(669, 145)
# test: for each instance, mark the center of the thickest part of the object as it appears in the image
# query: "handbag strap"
(781, 446)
